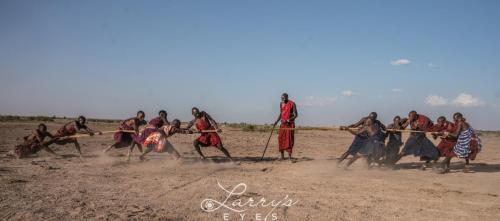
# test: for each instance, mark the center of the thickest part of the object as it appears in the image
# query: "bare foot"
(466, 169)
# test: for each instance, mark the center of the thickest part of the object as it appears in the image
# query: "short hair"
(195, 108)
(176, 122)
(397, 116)
(285, 94)
(162, 111)
(141, 112)
(374, 113)
(442, 118)
(457, 114)
(413, 112)
(43, 125)
(82, 117)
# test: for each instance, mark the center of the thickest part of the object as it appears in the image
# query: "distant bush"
(103, 120)
(28, 118)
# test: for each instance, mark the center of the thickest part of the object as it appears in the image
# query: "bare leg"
(130, 151)
(139, 146)
(46, 148)
(446, 165)
(343, 157)
(77, 146)
(149, 149)
(290, 156)
(466, 166)
(425, 165)
(369, 161)
(110, 147)
(221, 148)
(282, 155)
(171, 150)
(351, 161)
(197, 145)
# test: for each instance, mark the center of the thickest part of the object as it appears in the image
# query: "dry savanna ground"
(106, 187)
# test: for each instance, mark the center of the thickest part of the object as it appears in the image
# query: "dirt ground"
(106, 187)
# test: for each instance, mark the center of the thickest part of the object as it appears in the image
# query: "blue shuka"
(419, 145)
(468, 144)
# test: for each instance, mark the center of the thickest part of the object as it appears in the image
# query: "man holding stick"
(124, 139)
(61, 137)
(204, 122)
(287, 116)
(418, 144)
(360, 139)
(157, 140)
(33, 143)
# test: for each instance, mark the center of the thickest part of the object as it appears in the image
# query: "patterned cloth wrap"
(468, 144)
(157, 140)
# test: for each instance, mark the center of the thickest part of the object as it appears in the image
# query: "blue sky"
(339, 60)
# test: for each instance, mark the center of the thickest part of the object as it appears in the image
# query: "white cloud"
(348, 93)
(401, 61)
(467, 100)
(397, 90)
(313, 101)
(435, 100)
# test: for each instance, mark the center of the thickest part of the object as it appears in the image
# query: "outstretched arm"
(190, 124)
(405, 123)
(182, 131)
(87, 130)
(359, 123)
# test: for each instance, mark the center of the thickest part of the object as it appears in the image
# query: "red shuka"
(207, 139)
(286, 137)
(446, 145)
(423, 123)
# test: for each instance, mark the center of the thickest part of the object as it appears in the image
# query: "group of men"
(154, 134)
(458, 139)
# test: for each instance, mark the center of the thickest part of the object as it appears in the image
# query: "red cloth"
(474, 147)
(122, 137)
(156, 122)
(446, 145)
(423, 123)
(207, 139)
(286, 110)
(286, 137)
(66, 130)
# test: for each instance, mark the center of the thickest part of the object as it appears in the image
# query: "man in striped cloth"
(286, 133)
(468, 144)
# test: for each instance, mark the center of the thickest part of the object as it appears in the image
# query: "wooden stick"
(267, 144)
(103, 132)
(395, 130)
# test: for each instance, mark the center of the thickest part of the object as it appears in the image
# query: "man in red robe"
(33, 143)
(202, 121)
(62, 136)
(126, 139)
(447, 143)
(417, 143)
(288, 114)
